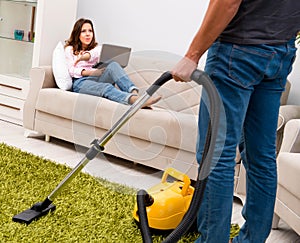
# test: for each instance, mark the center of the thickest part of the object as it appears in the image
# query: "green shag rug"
(88, 210)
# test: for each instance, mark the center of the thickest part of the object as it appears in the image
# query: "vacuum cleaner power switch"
(32, 214)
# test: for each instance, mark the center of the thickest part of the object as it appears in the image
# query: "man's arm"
(218, 15)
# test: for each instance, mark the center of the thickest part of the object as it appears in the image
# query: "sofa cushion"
(157, 125)
(177, 96)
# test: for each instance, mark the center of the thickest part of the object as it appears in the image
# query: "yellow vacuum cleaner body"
(171, 201)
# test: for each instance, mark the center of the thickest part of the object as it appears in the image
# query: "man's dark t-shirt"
(264, 22)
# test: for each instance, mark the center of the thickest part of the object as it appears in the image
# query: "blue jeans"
(104, 85)
(250, 80)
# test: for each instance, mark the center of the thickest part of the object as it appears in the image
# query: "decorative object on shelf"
(31, 36)
(19, 34)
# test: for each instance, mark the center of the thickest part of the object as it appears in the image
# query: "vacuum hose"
(205, 165)
(144, 200)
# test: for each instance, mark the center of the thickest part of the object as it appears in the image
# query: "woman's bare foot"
(134, 92)
(148, 103)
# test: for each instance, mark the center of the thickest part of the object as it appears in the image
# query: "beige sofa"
(287, 206)
(162, 137)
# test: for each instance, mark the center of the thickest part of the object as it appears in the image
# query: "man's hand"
(183, 70)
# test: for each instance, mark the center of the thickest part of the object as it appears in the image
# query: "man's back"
(264, 22)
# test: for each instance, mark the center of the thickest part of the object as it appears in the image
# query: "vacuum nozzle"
(36, 211)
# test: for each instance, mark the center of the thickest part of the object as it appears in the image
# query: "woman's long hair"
(74, 40)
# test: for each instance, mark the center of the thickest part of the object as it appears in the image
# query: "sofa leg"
(275, 221)
(32, 134)
(47, 138)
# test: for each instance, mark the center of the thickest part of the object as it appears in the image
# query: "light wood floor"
(112, 169)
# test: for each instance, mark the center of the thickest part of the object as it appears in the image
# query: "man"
(251, 51)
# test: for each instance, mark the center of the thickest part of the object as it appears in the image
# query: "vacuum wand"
(42, 208)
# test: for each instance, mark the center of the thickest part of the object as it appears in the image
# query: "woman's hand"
(183, 70)
(92, 72)
(98, 72)
(82, 56)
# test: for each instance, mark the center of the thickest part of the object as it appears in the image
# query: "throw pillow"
(60, 69)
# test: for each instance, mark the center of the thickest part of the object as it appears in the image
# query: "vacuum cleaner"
(144, 199)
(169, 201)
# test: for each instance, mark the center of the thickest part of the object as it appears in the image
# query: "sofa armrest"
(291, 137)
(289, 112)
(40, 77)
(286, 113)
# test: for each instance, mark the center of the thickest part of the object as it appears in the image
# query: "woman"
(82, 53)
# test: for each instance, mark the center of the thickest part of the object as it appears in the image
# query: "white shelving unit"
(50, 21)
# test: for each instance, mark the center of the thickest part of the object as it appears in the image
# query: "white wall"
(164, 25)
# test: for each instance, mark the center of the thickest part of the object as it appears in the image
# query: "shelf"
(13, 39)
(23, 20)
(30, 3)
